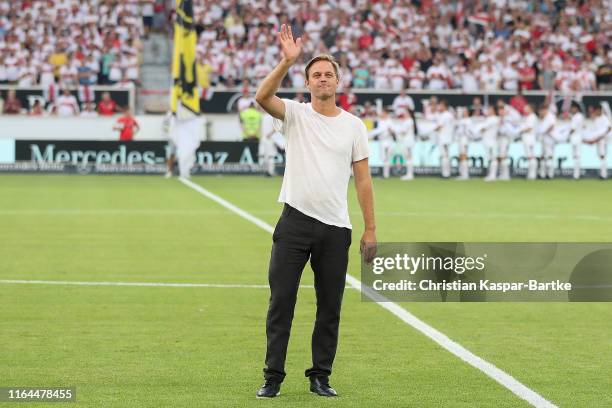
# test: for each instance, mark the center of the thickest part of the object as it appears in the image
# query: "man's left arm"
(365, 195)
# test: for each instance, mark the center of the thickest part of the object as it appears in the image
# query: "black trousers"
(298, 237)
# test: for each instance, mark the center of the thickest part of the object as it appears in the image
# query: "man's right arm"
(266, 93)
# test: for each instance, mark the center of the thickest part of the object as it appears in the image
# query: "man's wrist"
(370, 229)
(285, 63)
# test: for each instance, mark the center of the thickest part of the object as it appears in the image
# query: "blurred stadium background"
(85, 258)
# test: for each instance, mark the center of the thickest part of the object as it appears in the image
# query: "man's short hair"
(323, 57)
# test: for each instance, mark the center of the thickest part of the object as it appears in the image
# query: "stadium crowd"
(418, 44)
(70, 43)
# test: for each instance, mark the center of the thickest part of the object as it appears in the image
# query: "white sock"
(445, 166)
(603, 171)
(532, 168)
(576, 167)
(270, 162)
(464, 171)
(542, 169)
(505, 168)
(409, 168)
(550, 167)
(493, 168)
(386, 171)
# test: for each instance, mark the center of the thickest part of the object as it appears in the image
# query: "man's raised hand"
(290, 48)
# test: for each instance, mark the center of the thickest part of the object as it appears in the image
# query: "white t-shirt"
(319, 153)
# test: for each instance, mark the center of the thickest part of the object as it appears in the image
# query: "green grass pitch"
(204, 347)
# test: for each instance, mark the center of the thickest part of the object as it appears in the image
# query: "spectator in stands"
(246, 100)
(299, 97)
(490, 78)
(37, 109)
(527, 76)
(604, 74)
(510, 76)
(12, 105)
(66, 104)
(148, 11)
(58, 59)
(107, 107)
(519, 101)
(438, 76)
(11, 66)
(89, 111)
(347, 99)
(3, 70)
(27, 73)
(361, 77)
(416, 77)
(403, 101)
(204, 73)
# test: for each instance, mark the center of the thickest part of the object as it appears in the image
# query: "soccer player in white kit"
(445, 129)
(546, 128)
(430, 114)
(386, 138)
(528, 135)
(270, 139)
(403, 128)
(509, 129)
(575, 137)
(489, 130)
(600, 131)
(464, 134)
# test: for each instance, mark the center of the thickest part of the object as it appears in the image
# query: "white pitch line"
(503, 378)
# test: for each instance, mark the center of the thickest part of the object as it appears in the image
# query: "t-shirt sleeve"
(360, 145)
(290, 112)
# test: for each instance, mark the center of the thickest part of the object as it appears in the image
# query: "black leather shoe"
(270, 389)
(321, 387)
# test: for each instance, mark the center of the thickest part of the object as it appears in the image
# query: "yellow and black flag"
(185, 84)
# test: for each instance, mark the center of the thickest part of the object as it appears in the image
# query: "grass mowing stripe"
(503, 378)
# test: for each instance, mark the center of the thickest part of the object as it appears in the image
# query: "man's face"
(322, 80)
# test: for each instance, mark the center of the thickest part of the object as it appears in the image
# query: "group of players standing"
(495, 126)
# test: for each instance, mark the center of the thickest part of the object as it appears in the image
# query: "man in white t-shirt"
(323, 144)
